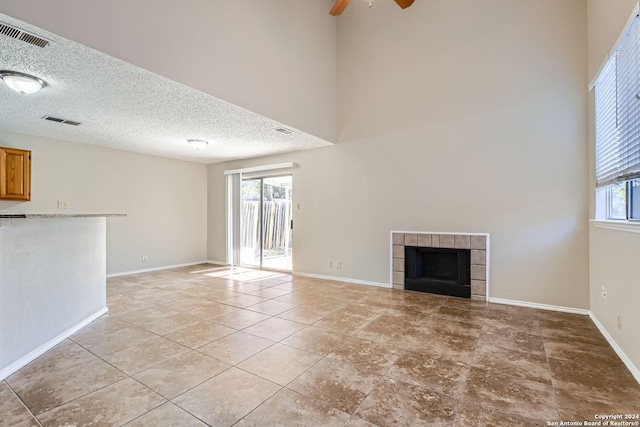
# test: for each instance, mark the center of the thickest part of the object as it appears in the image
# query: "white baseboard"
(343, 279)
(538, 306)
(216, 262)
(28, 358)
(165, 267)
(625, 359)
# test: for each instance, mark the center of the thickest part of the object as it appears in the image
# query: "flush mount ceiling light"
(21, 82)
(198, 143)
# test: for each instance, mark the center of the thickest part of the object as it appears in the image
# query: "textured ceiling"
(125, 107)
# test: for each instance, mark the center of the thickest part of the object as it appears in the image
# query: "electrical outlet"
(603, 291)
(619, 321)
(145, 258)
(338, 265)
(330, 264)
(62, 204)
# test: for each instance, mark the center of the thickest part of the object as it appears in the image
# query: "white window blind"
(618, 113)
(607, 140)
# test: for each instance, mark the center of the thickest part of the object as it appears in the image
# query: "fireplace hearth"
(444, 271)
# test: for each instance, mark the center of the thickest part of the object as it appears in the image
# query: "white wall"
(52, 278)
(164, 199)
(457, 116)
(613, 254)
(276, 58)
(613, 264)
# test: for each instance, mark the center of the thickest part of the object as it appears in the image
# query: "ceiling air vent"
(25, 36)
(57, 120)
(284, 131)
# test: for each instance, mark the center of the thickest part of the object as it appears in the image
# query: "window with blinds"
(617, 111)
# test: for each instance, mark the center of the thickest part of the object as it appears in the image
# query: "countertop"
(11, 215)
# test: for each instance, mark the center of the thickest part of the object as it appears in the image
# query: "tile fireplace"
(444, 263)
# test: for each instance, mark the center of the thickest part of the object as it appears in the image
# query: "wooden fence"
(277, 214)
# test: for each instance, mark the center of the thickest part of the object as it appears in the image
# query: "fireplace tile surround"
(478, 243)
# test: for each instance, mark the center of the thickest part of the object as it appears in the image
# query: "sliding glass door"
(265, 223)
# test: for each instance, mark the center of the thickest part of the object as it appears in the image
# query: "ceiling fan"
(341, 5)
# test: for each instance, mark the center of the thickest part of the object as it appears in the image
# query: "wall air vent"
(284, 131)
(57, 120)
(25, 36)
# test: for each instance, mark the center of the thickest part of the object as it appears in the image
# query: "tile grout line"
(261, 403)
(470, 366)
(298, 376)
(289, 383)
(164, 403)
(23, 404)
(251, 373)
(546, 356)
(82, 395)
(509, 375)
(382, 376)
(154, 408)
(458, 400)
(127, 375)
(466, 381)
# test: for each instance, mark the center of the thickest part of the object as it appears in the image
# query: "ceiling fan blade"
(339, 7)
(404, 3)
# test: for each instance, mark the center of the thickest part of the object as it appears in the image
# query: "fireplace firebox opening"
(444, 271)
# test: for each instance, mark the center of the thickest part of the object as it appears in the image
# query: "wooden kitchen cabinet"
(15, 174)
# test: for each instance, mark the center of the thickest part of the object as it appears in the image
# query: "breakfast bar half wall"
(52, 281)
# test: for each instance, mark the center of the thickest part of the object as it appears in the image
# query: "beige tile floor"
(216, 346)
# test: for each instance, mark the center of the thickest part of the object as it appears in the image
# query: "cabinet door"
(15, 174)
